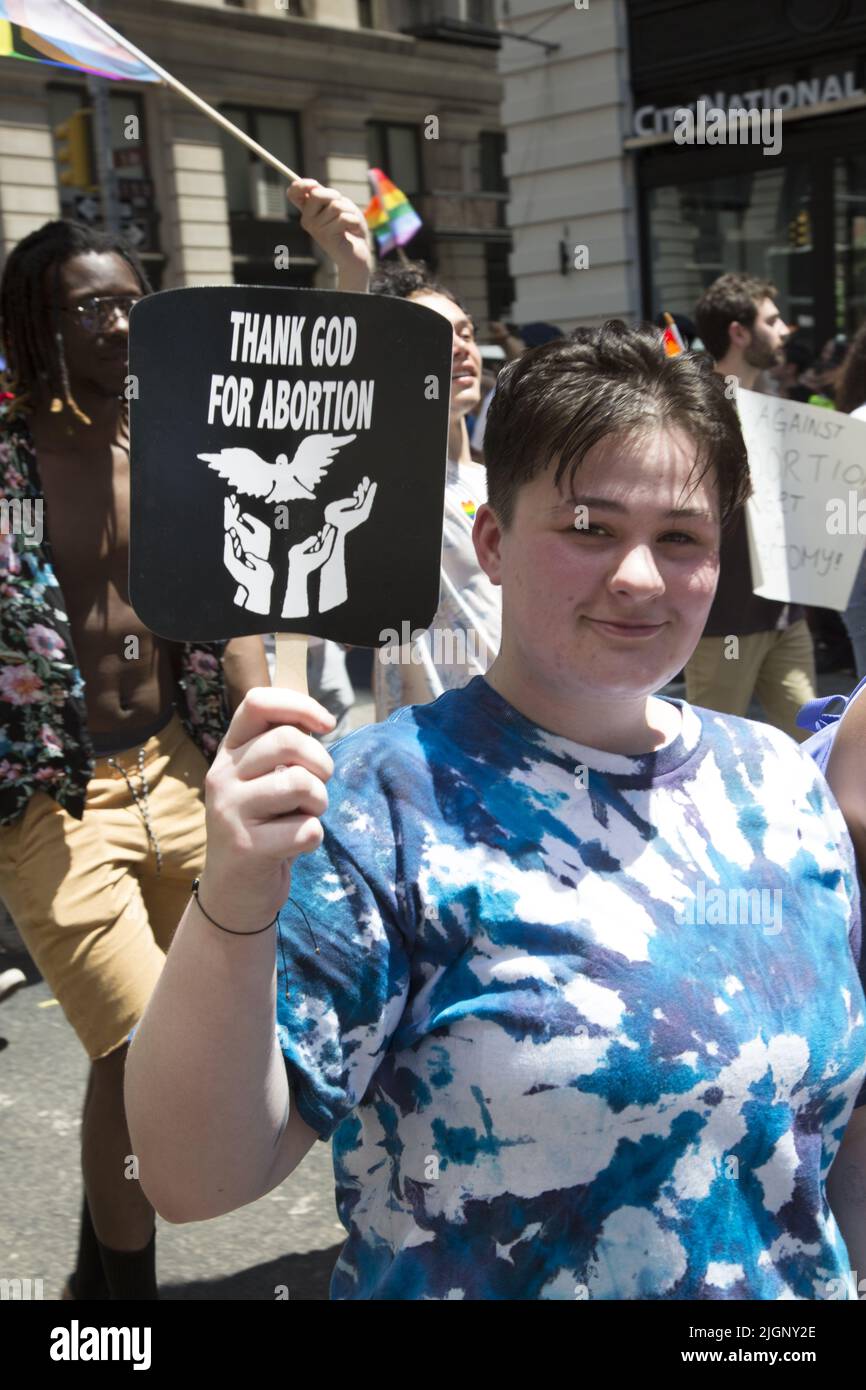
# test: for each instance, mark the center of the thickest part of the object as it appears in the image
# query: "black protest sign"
(288, 452)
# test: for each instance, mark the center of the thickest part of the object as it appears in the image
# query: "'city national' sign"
(660, 120)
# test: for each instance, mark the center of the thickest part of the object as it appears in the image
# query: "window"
(396, 150)
(491, 159)
(479, 12)
(261, 218)
(755, 222)
(366, 15)
(253, 188)
(482, 12)
(850, 238)
(500, 286)
(139, 217)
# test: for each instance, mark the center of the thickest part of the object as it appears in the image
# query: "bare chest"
(87, 516)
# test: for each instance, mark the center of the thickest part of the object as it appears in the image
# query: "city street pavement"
(291, 1237)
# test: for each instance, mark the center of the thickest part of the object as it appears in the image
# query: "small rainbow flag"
(469, 509)
(64, 34)
(389, 214)
(671, 337)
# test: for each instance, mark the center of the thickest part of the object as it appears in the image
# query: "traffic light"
(73, 151)
(800, 229)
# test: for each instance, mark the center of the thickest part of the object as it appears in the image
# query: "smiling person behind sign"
(546, 1074)
(463, 638)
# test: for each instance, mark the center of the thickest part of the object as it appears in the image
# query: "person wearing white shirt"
(463, 639)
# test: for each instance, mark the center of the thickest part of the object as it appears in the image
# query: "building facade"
(596, 156)
(572, 209)
(328, 86)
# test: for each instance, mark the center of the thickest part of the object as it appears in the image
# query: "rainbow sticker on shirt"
(469, 509)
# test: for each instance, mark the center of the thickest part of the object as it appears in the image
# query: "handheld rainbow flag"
(671, 337)
(389, 214)
(65, 35)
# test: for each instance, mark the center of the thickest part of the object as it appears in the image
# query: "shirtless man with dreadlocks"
(106, 731)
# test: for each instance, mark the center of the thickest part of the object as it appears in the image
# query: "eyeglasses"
(96, 314)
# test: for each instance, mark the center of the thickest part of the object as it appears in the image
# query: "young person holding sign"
(546, 1075)
(463, 638)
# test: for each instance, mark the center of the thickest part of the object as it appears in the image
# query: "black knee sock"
(88, 1281)
(131, 1274)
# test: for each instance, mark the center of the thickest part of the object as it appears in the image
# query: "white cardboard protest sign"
(808, 468)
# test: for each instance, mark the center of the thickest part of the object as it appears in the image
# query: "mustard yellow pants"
(777, 667)
(85, 896)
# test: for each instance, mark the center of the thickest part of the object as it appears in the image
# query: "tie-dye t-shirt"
(581, 1025)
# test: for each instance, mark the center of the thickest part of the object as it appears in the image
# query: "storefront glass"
(850, 239)
(756, 222)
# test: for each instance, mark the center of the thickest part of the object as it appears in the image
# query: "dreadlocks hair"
(30, 326)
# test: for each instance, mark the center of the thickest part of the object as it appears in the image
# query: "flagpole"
(183, 91)
(99, 101)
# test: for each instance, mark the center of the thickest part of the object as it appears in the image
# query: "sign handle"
(291, 669)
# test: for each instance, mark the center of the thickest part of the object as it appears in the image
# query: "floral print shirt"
(44, 742)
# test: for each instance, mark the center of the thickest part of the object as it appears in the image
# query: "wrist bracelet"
(231, 932)
(259, 930)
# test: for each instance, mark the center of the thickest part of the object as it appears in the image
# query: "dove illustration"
(280, 481)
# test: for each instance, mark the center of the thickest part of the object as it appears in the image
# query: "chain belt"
(141, 802)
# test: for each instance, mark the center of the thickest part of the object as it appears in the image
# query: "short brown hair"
(559, 400)
(733, 298)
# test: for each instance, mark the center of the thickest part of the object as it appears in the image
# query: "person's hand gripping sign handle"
(265, 794)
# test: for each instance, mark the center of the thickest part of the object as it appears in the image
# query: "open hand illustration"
(304, 558)
(245, 556)
(344, 515)
(352, 511)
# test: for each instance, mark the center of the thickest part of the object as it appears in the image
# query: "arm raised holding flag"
(338, 226)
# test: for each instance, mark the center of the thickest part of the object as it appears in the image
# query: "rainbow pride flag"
(66, 35)
(390, 216)
(672, 338)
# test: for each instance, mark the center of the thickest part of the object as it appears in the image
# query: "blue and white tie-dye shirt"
(581, 1025)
